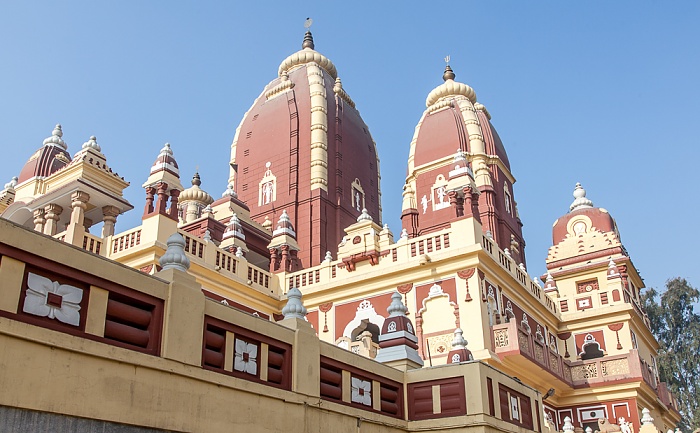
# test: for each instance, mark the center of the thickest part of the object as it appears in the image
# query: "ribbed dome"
(307, 55)
(51, 157)
(195, 193)
(450, 88)
(582, 217)
(443, 127)
(166, 161)
(304, 147)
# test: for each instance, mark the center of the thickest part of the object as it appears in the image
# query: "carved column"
(110, 218)
(39, 220)
(285, 257)
(79, 201)
(161, 203)
(75, 231)
(457, 203)
(274, 260)
(150, 193)
(172, 211)
(487, 213)
(52, 213)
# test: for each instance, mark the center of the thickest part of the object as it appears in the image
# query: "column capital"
(110, 211)
(80, 197)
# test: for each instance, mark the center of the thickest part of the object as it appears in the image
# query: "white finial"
(234, 228)
(568, 427)
(488, 234)
(207, 210)
(174, 257)
(537, 282)
(284, 226)
(12, 183)
(580, 200)
(460, 158)
(459, 342)
(507, 252)
(646, 417)
(365, 216)
(92, 144)
(166, 150)
(294, 308)
(550, 278)
(239, 252)
(589, 429)
(447, 59)
(521, 265)
(308, 22)
(229, 191)
(678, 430)
(55, 139)
(404, 234)
(329, 257)
(396, 308)
(207, 236)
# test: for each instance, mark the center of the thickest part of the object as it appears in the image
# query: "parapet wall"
(86, 337)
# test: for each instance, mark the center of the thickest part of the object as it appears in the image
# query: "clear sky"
(602, 93)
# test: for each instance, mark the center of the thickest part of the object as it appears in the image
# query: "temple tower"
(453, 134)
(303, 147)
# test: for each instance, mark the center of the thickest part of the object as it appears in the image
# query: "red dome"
(51, 157)
(300, 115)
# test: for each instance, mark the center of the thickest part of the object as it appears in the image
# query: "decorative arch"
(358, 195)
(267, 188)
(364, 315)
(441, 304)
(438, 193)
(508, 199)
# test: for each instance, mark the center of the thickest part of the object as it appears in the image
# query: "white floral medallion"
(246, 357)
(52, 299)
(361, 391)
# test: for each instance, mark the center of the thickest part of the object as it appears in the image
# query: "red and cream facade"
(302, 210)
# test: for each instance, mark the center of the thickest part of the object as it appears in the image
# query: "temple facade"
(286, 294)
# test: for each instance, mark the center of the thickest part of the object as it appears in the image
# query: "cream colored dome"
(450, 88)
(195, 193)
(308, 55)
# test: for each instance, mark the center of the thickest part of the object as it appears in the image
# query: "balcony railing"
(510, 339)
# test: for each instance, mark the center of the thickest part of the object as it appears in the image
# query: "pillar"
(52, 213)
(172, 211)
(109, 219)
(162, 190)
(39, 220)
(150, 194)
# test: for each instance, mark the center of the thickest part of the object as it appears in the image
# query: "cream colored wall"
(52, 371)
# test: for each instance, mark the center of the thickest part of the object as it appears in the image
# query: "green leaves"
(676, 326)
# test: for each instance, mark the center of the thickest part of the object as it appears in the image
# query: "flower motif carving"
(614, 367)
(500, 337)
(585, 371)
(361, 391)
(51, 299)
(456, 358)
(391, 327)
(246, 357)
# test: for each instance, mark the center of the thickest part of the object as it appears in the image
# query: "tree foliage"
(677, 328)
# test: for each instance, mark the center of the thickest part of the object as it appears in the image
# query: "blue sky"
(601, 93)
